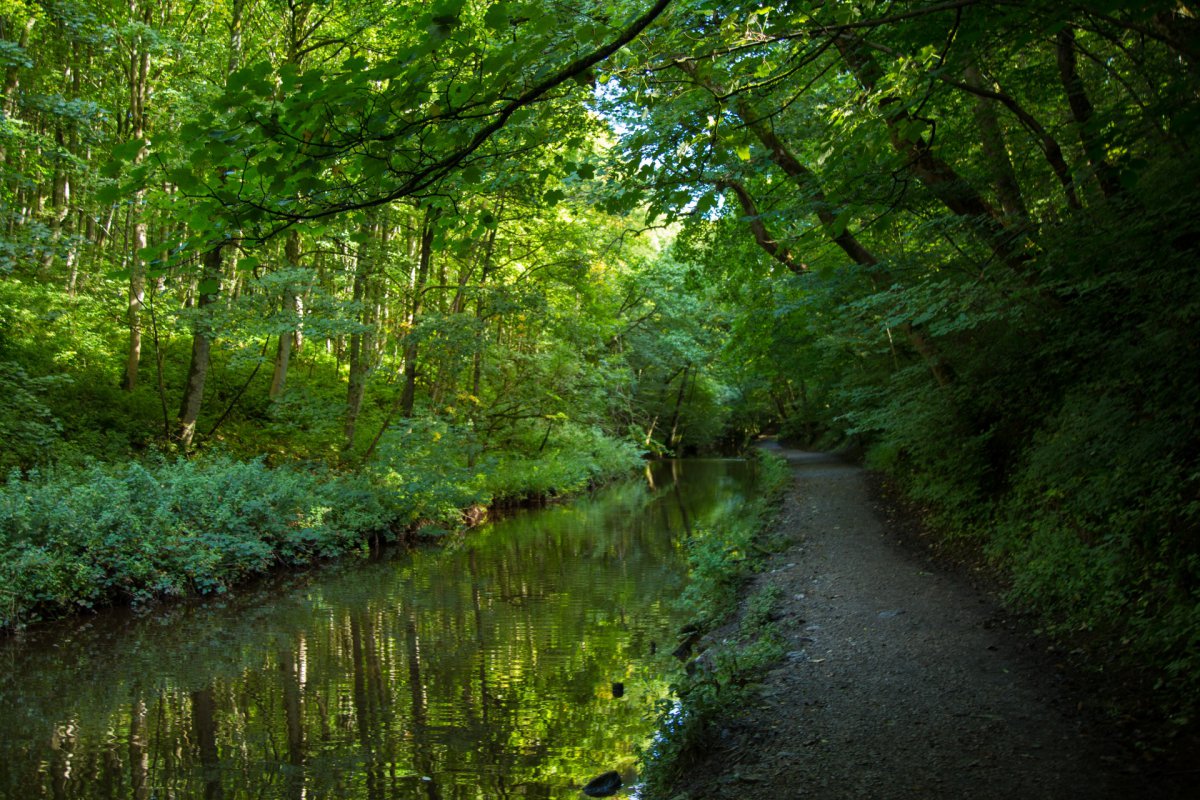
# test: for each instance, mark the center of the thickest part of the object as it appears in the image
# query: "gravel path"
(903, 680)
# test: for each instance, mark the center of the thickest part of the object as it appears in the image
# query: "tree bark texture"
(840, 235)
(287, 338)
(139, 93)
(408, 396)
(991, 138)
(362, 343)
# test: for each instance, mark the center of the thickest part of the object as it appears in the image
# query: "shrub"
(28, 428)
(134, 534)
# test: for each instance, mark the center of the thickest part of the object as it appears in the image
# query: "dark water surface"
(483, 669)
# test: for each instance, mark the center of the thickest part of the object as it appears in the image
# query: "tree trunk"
(761, 235)
(406, 401)
(12, 82)
(481, 306)
(673, 439)
(208, 290)
(58, 220)
(1082, 112)
(839, 234)
(139, 92)
(807, 181)
(193, 396)
(298, 308)
(362, 344)
(408, 396)
(1180, 31)
(1008, 189)
(137, 295)
(298, 32)
(12, 75)
(1046, 143)
(283, 354)
(943, 182)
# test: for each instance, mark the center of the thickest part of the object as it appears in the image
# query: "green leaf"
(838, 226)
(374, 167)
(108, 194)
(185, 179)
(153, 252)
(200, 218)
(496, 17)
(128, 151)
(743, 151)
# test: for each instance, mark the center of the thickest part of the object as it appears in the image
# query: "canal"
(518, 660)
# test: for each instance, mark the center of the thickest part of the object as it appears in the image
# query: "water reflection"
(483, 669)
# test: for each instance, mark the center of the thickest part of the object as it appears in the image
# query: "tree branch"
(423, 178)
(761, 235)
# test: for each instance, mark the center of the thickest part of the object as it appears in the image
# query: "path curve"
(902, 681)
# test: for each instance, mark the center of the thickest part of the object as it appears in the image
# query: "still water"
(484, 668)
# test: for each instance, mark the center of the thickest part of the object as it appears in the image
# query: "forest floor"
(906, 678)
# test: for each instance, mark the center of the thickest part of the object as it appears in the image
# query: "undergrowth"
(78, 539)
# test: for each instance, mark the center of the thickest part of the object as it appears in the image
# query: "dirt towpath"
(903, 681)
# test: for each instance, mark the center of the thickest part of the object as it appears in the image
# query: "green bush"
(28, 428)
(573, 459)
(1067, 445)
(1094, 531)
(89, 537)
(138, 533)
(422, 464)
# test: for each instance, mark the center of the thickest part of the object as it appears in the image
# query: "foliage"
(575, 458)
(427, 620)
(1081, 485)
(28, 428)
(139, 533)
(964, 237)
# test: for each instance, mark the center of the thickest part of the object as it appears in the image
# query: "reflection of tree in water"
(484, 670)
(204, 727)
(290, 667)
